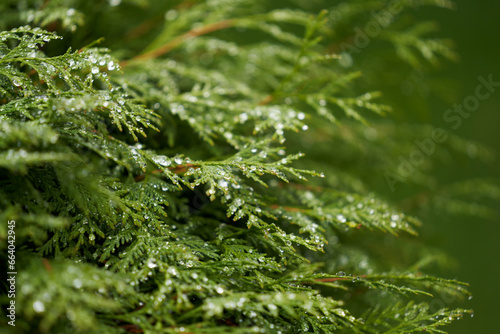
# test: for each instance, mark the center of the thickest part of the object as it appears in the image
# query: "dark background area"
(474, 243)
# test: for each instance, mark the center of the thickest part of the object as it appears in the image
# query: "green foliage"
(157, 176)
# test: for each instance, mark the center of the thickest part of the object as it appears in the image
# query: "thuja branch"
(176, 169)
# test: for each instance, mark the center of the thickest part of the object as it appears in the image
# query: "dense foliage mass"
(154, 156)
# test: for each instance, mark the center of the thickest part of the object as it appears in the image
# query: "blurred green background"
(474, 243)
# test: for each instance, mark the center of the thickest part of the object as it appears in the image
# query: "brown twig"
(266, 100)
(287, 208)
(167, 47)
(44, 4)
(47, 265)
(143, 28)
(130, 328)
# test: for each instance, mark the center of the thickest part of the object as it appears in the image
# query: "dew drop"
(341, 218)
(223, 183)
(111, 66)
(77, 283)
(152, 264)
(162, 160)
(243, 117)
(38, 306)
(171, 15)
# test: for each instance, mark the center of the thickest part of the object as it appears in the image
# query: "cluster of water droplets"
(162, 160)
(97, 62)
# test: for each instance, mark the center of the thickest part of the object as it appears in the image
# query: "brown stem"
(266, 100)
(44, 4)
(143, 28)
(130, 328)
(167, 47)
(47, 265)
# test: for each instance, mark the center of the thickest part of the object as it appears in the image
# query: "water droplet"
(243, 117)
(223, 183)
(219, 290)
(345, 60)
(171, 15)
(77, 283)
(111, 65)
(172, 271)
(38, 306)
(95, 70)
(341, 218)
(341, 273)
(162, 160)
(152, 263)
